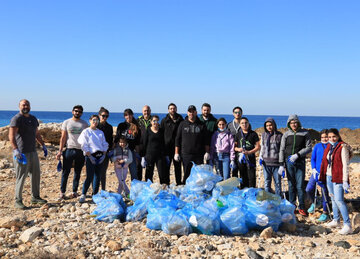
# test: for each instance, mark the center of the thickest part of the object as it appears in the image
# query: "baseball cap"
(191, 108)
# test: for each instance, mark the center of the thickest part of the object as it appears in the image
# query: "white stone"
(30, 234)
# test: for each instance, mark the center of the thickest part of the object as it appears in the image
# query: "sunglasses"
(155, 121)
(237, 112)
(78, 111)
(105, 116)
(95, 120)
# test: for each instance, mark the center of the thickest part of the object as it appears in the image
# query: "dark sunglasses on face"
(78, 111)
(105, 116)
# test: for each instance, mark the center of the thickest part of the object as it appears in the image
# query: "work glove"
(167, 159)
(207, 156)
(100, 160)
(281, 171)
(261, 161)
(17, 154)
(59, 166)
(45, 150)
(143, 162)
(92, 159)
(346, 187)
(177, 157)
(292, 158)
(242, 158)
(232, 165)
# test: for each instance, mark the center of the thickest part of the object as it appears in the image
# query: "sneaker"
(38, 200)
(333, 224)
(345, 230)
(303, 212)
(82, 198)
(74, 195)
(312, 208)
(323, 218)
(62, 196)
(20, 205)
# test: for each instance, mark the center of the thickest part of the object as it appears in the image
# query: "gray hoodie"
(294, 142)
(270, 144)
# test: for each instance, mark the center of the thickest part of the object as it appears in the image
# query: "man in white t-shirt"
(70, 132)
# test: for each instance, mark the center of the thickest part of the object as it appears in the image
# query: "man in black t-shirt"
(22, 134)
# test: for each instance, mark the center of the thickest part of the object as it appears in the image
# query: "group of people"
(147, 142)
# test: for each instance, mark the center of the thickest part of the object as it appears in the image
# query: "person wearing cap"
(23, 134)
(295, 145)
(191, 143)
(170, 125)
(72, 155)
(234, 127)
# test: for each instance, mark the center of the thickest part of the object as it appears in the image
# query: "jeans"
(92, 176)
(269, 173)
(104, 167)
(336, 193)
(310, 190)
(132, 166)
(71, 155)
(222, 164)
(296, 179)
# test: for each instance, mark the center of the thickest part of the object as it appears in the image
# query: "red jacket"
(336, 164)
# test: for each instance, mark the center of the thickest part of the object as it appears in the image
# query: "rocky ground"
(66, 230)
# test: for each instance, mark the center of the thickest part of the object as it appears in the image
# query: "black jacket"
(108, 132)
(170, 127)
(123, 129)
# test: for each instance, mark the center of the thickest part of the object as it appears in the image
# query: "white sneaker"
(345, 230)
(62, 196)
(332, 224)
(82, 198)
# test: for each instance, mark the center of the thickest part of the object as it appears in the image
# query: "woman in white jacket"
(94, 146)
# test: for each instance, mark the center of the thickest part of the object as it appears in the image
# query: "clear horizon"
(268, 57)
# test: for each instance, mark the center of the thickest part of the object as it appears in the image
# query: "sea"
(314, 122)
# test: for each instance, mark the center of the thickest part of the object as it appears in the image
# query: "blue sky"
(269, 57)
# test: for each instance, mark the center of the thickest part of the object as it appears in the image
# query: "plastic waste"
(287, 212)
(59, 166)
(156, 218)
(233, 221)
(22, 159)
(138, 187)
(226, 187)
(202, 179)
(110, 206)
(176, 224)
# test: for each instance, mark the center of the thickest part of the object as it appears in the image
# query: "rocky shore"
(66, 230)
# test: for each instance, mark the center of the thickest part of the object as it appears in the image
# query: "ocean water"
(315, 122)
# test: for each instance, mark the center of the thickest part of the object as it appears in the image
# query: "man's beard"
(25, 111)
(77, 116)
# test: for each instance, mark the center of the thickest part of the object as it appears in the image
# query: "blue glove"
(167, 159)
(45, 150)
(143, 162)
(242, 158)
(261, 161)
(281, 171)
(59, 166)
(110, 154)
(19, 157)
(346, 187)
(101, 159)
(292, 158)
(16, 154)
(232, 165)
(321, 184)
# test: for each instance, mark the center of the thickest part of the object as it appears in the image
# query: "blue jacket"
(317, 155)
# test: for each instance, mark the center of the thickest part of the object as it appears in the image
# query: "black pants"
(247, 174)
(139, 169)
(235, 172)
(160, 165)
(187, 163)
(177, 167)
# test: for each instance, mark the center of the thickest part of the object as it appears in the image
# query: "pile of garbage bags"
(207, 205)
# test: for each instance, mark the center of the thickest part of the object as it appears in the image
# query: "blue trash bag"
(176, 224)
(226, 187)
(287, 212)
(138, 187)
(162, 200)
(202, 179)
(136, 212)
(205, 224)
(260, 214)
(156, 218)
(233, 222)
(110, 206)
(236, 198)
(193, 198)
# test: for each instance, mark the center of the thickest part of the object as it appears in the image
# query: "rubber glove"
(59, 166)
(261, 161)
(177, 157)
(207, 156)
(293, 158)
(92, 159)
(346, 187)
(17, 154)
(45, 150)
(242, 158)
(232, 165)
(143, 162)
(281, 171)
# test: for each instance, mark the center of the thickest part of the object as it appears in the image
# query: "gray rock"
(342, 244)
(30, 234)
(252, 254)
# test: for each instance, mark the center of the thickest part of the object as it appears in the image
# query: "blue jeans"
(132, 166)
(296, 178)
(269, 173)
(336, 193)
(104, 167)
(222, 164)
(92, 176)
(310, 190)
(71, 155)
